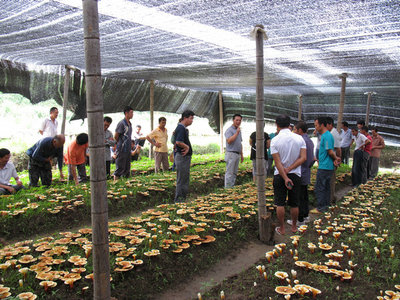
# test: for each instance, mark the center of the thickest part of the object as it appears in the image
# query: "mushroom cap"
(281, 275)
(48, 283)
(27, 295)
(285, 290)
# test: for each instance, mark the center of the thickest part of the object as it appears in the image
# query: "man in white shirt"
(289, 152)
(7, 170)
(336, 145)
(49, 126)
(357, 169)
(347, 137)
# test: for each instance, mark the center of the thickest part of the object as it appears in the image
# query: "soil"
(232, 265)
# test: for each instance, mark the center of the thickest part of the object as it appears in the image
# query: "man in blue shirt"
(183, 155)
(40, 157)
(234, 150)
(327, 160)
(123, 138)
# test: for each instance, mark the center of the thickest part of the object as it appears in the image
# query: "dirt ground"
(234, 264)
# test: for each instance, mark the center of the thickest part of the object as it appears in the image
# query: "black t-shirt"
(253, 145)
(182, 135)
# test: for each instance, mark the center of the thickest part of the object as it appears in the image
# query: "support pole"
(98, 183)
(221, 121)
(151, 114)
(368, 107)
(264, 218)
(300, 107)
(343, 76)
(65, 97)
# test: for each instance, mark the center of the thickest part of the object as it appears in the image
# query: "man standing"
(183, 155)
(336, 144)
(75, 158)
(289, 152)
(301, 129)
(270, 159)
(358, 156)
(159, 138)
(346, 142)
(234, 151)
(327, 160)
(253, 151)
(123, 137)
(49, 126)
(40, 157)
(109, 142)
(366, 154)
(7, 170)
(377, 145)
(138, 142)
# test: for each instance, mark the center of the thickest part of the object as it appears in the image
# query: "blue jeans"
(323, 189)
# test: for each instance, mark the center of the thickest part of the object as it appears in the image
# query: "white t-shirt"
(7, 172)
(288, 145)
(49, 127)
(336, 138)
(359, 139)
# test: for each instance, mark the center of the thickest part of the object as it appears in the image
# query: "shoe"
(315, 211)
(298, 223)
(307, 219)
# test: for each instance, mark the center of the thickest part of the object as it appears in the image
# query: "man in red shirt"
(75, 158)
(366, 154)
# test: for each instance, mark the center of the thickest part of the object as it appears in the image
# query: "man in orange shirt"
(159, 138)
(75, 158)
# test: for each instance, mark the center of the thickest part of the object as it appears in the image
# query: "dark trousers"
(39, 170)
(345, 155)
(356, 170)
(182, 176)
(323, 189)
(81, 172)
(123, 164)
(303, 204)
(364, 167)
(108, 168)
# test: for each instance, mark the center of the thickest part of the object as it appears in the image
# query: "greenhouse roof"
(205, 45)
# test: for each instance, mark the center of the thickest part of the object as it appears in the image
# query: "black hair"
(301, 125)
(282, 121)
(355, 128)
(127, 109)
(53, 109)
(374, 128)
(140, 126)
(344, 123)
(187, 114)
(322, 121)
(237, 115)
(365, 128)
(107, 119)
(82, 139)
(162, 119)
(4, 152)
(330, 121)
(361, 122)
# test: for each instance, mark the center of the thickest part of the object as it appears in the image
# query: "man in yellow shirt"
(158, 138)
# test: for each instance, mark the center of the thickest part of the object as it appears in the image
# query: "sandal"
(278, 232)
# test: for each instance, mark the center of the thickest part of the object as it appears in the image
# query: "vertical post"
(221, 121)
(368, 108)
(300, 107)
(98, 183)
(263, 218)
(343, 76)
(151, 114)
(65, 98)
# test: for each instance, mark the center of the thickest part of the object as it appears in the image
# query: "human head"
(345, 125)
(364, 130)
(374, 131)
(354, 131)
(107, 122)
(360, 124)
(320, 123)
(237, 120)
(53, 113)
(187, 117)
(82, 139)
(162, 121)
(329, 123)
(58, 141)
(128, 112)
(138, 128)
(300, 128)
(4, 155)
(282, 121)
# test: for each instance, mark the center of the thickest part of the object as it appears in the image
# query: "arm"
(60, 161)
(332, 154)
(338, 152)
(19, 182)
(184, 147)
(281, 170)
(302, 158)
(156, 144)
(8, 188)
(73, 171)
(241, 154)
(116, 136)
(232, 138)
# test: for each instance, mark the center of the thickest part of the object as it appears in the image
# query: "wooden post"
(151, 114)
(368, 106)
(98, 183)
(221, 121)
(264, 219)
(343, 76)
(300, 107)
(65, 98)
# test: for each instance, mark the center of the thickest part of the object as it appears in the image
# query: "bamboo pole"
(368, 107)
(300, 107)
(151, 114)
(264, 219)
(98, 183)
(65, 97)
(343, 76)
(221, 121)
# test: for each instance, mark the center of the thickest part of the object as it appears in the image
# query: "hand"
(289, 183)
(185, 151)
(337, 162)
(19, 182)
(158, 145)
(287, 170)
(241, 159)
(49, 159)
(238, 130)
(10, 189)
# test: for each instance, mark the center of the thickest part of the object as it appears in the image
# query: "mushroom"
(281, 275)
(27, 296)
(285, 290)
(47, 284)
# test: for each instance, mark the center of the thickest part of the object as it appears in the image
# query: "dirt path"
(235, 263)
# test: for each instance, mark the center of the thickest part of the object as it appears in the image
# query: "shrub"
(20, 161)
(208, 149)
